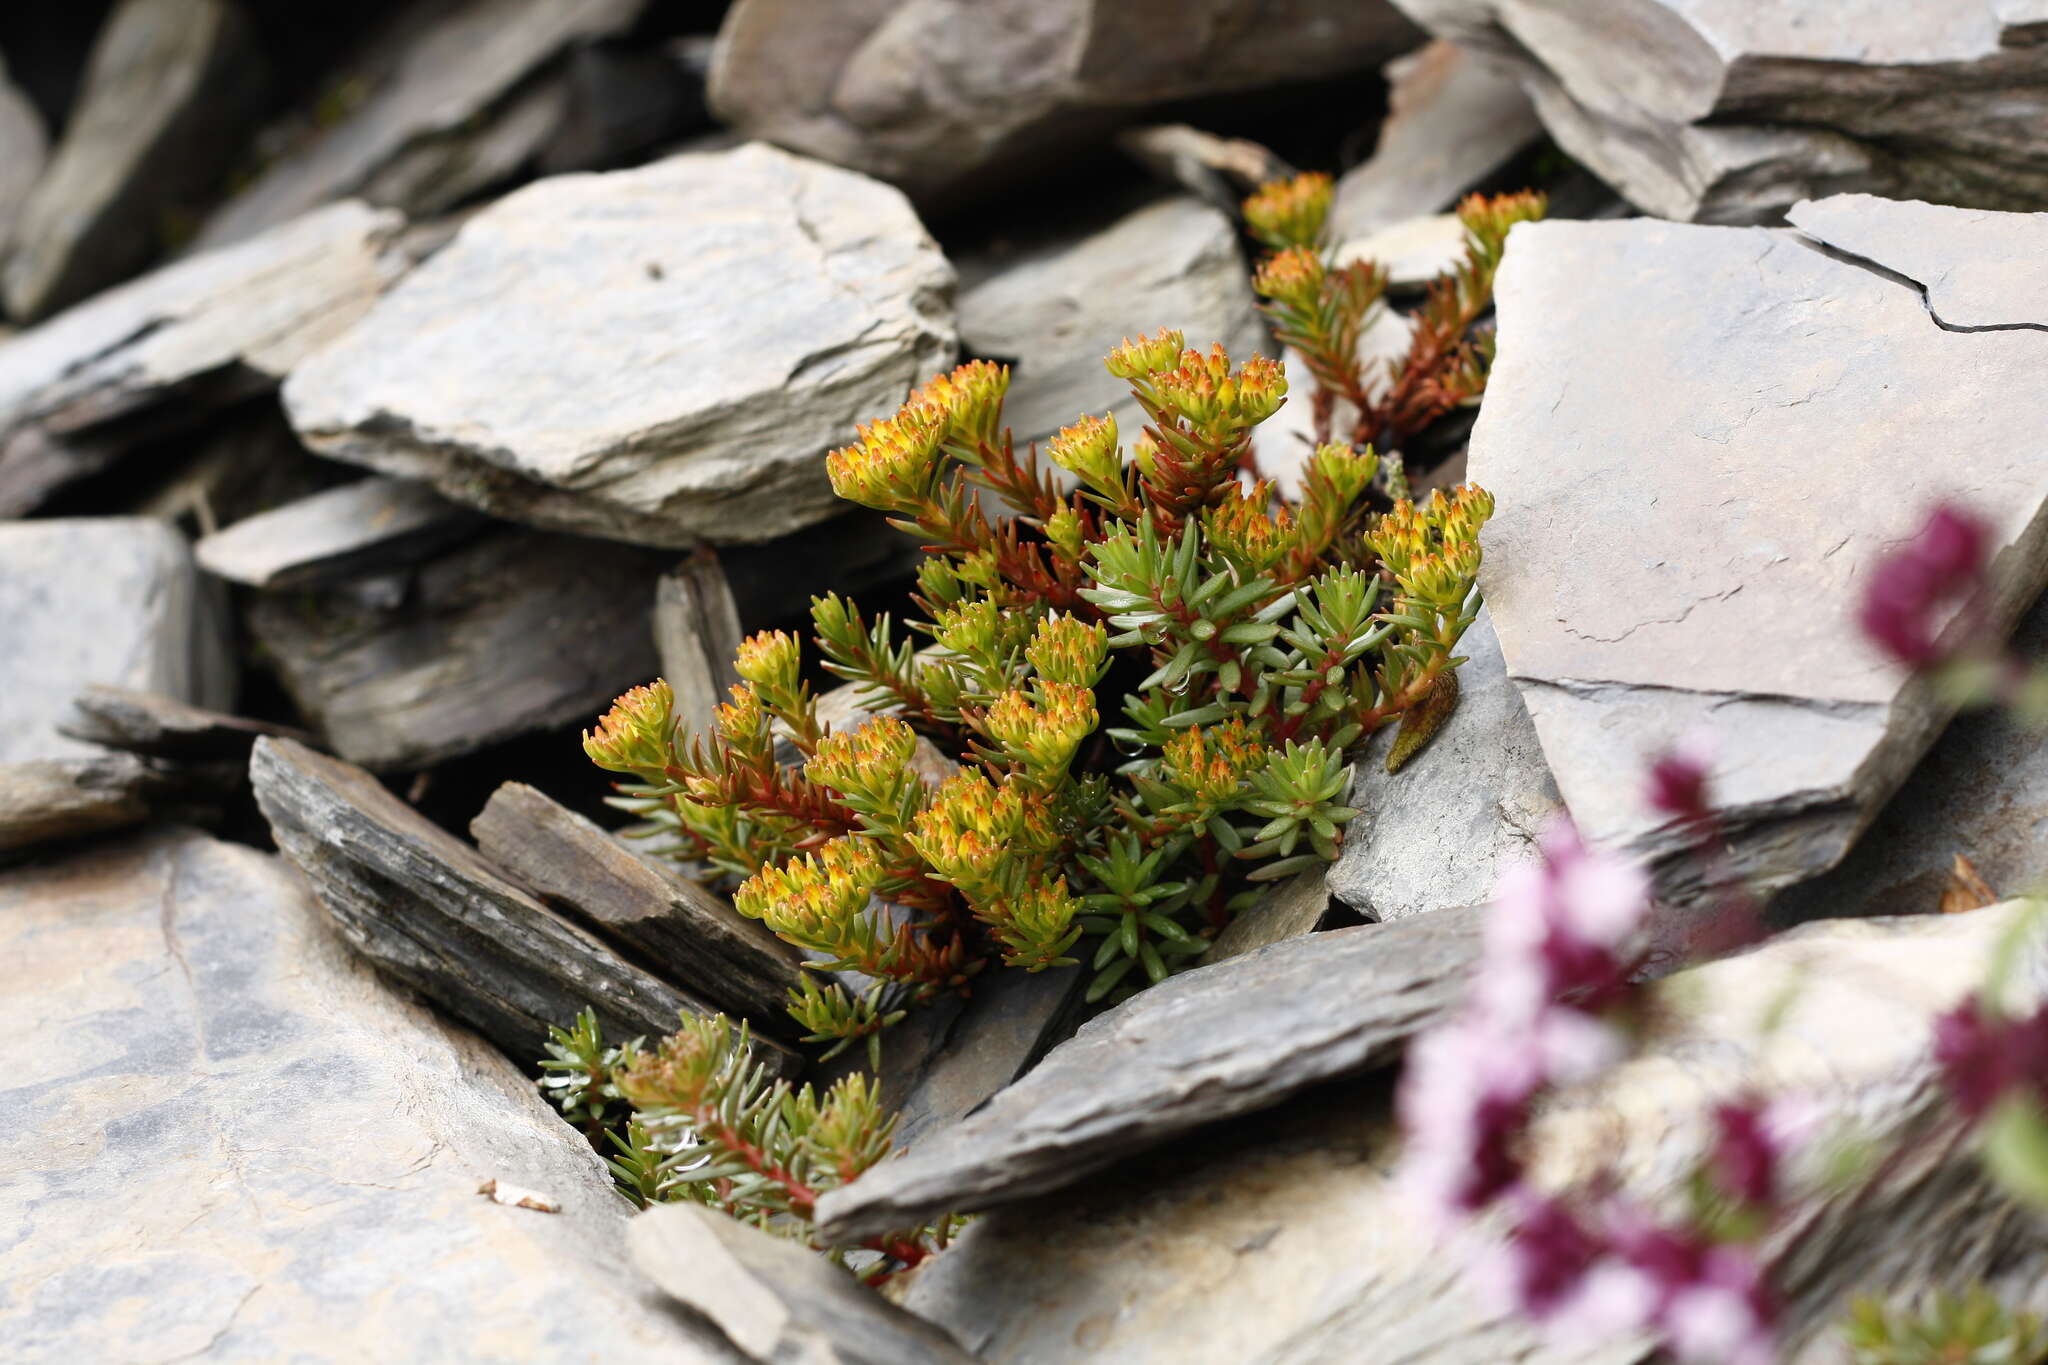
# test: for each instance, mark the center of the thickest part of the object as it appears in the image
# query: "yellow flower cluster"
(1293, 277)
(1036, 925)
(1146, 356)
(870, 765)
(970, 398)
(770, 660)
(1212, 761)
(893, 466)
(634, 736)
(972, 829)
(1215, 400)
(1244, 529)
(1291, 212)
(1042, 729)
(1432, 550)
(816, 901)
(1066, 649)
(1088, 450)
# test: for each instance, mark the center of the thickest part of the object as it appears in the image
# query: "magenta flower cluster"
(1913, 587)
(1548, 1007)
(1984, 1056)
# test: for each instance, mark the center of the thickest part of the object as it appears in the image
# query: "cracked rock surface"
(227, 1137)
(660, 355)
(1730, 111)
(1701, 439)
(1296, 1213)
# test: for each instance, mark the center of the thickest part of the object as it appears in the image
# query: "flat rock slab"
(1056, 311)
(776, 1301)
(49, 800)
(514, 632)
(226, 1138)
(1284, 1239)
(111, 600)
(431, 911)
(438, 82)
(945, 97)
(181, 342)
(1201, 1047)
(1414, 251)
(684, 932)
(344, 532)
(1453, 119)
(24, 146)
(1701, 440)
(170, 95)
(1978, 268)
(1729, 111)
(156, 726)
(1438, 833)
(661, 355)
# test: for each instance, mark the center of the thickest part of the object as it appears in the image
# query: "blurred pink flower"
(1942, 564)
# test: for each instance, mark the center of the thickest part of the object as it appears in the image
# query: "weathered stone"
(226, 1138)
(170, 94)
(705, 328)
(244, 461)
(100, 600)
(946, 1058)
(1453, 119)
(697, 633)
(1300, 905)
(24, 146)
(1054, 313)
(1204, 1046)
(182, 341)
(680, 930)
(1982, 792)
(1295, 1213)
(1726, 111)
(624, 100)
(450, 102)
(157, 726)
(1438, 833)
(435, 914)
(776, 1302)
(514, 632)
(934, 95)
(1413, 251)
(346, 532)
(48, 800)
(1647, 572)
(1220, 171)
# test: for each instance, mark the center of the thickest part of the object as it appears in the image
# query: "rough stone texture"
(943, 1061)
(1660, 388)
(1982, 791)
(697, 632)
(1414, 250)
(170, 93)
(450, 103)
(1438, 833)
(931, 94)
(776, 1302)
(1977, 268)
(226, 1139)
(1300, 905)
(1729, 111)
(661, 355)
(99, 600)
(1054, 313)
(1294, 1213)
(157, 726)
(48, 800)
(514, 632)
(1453, 119)
(1207, 1045)
(680, 930)
(339, 533)
(24, 146)
(1220, 171)
(435, 914)
(182, 341)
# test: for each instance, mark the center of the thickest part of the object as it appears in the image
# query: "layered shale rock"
(661, 355)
